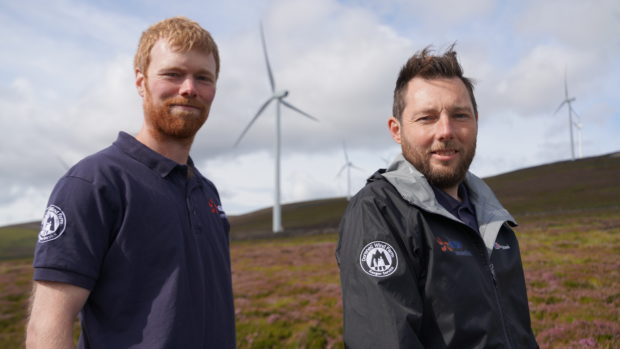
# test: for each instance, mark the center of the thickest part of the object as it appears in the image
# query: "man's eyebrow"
(425, 110)
(462, 108)
(205, 71)
(179, 69)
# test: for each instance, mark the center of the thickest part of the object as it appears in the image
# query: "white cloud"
(67, 86)
(584, 24)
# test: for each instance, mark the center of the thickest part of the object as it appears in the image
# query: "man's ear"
(394, 127)
(140, 82)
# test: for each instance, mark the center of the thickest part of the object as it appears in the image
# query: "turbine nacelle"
(280, 94)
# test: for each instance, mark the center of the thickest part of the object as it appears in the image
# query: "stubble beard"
(178, 124)
(443, 177)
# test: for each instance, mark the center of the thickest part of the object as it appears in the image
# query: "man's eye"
(204, 78)
(171, 74)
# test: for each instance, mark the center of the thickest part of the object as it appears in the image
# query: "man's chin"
(445, 176)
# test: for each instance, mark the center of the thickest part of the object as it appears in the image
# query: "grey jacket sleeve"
(379, 276)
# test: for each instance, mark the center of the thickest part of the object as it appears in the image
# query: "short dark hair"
(425, 65)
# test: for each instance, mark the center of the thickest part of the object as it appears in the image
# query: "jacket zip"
(494, 280)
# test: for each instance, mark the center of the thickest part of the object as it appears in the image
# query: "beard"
(441, 176)
(178, 124)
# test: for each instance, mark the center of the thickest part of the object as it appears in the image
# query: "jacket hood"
(415, 189)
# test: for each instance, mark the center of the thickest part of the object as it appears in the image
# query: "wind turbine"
(278, 96)
(62, 162)
(348, 165)
(568, 100)
(579, 126)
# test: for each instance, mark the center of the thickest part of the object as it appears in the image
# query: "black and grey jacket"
(415, 276)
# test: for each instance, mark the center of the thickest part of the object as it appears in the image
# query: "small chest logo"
(53, 224)
(378, 259)
(217, 209)
(452, 246)
(497, 246)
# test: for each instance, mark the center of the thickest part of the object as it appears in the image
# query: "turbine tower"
(568, 100)
(579, 126)
(348, 165)
(278, 96)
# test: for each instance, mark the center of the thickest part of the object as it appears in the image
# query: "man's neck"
(173, 148)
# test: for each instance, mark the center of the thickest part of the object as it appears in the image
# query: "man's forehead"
(429, 95)
(177, 47)
(164, 54)
(439, 82)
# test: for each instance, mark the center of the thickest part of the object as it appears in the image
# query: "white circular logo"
(378, 259)
(53, 224)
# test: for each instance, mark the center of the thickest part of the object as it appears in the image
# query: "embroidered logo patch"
(452, 246)
(378, 259)
(215, 208)
(53, 224)
(497, 246)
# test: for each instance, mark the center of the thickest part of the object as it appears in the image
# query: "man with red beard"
(134, 237)
(427, 254)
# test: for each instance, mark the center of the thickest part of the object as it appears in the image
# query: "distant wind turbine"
(348, 165)
(63, 163)
(278, 96)
(579, 126)
(568, 100)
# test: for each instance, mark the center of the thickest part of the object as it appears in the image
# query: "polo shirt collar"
(451, 204)
(145, 155)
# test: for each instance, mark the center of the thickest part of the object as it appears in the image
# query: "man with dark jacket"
(427, 255)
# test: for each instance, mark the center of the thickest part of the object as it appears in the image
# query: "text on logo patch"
(53, 224)
(378, 259)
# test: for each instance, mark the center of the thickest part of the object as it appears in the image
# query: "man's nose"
(445, 127)
(188, 88)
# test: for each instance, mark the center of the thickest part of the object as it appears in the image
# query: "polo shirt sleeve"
(76, 232)
(382, 305)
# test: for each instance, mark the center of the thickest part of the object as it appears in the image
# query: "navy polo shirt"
(149, 239)
(463, 210)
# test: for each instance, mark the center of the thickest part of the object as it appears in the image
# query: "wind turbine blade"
(63, 163)
(271, 80)
(298, 110)
(357, 167)
(342, 169)
(565, 83)
(574, 112)
(346, 156)
(560, 107)
(253, 119)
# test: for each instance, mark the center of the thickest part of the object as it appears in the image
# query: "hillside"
(297, 218)
(585, 184)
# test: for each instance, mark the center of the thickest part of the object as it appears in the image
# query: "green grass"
(17, 242)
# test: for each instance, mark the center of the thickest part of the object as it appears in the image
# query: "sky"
(67, 87)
